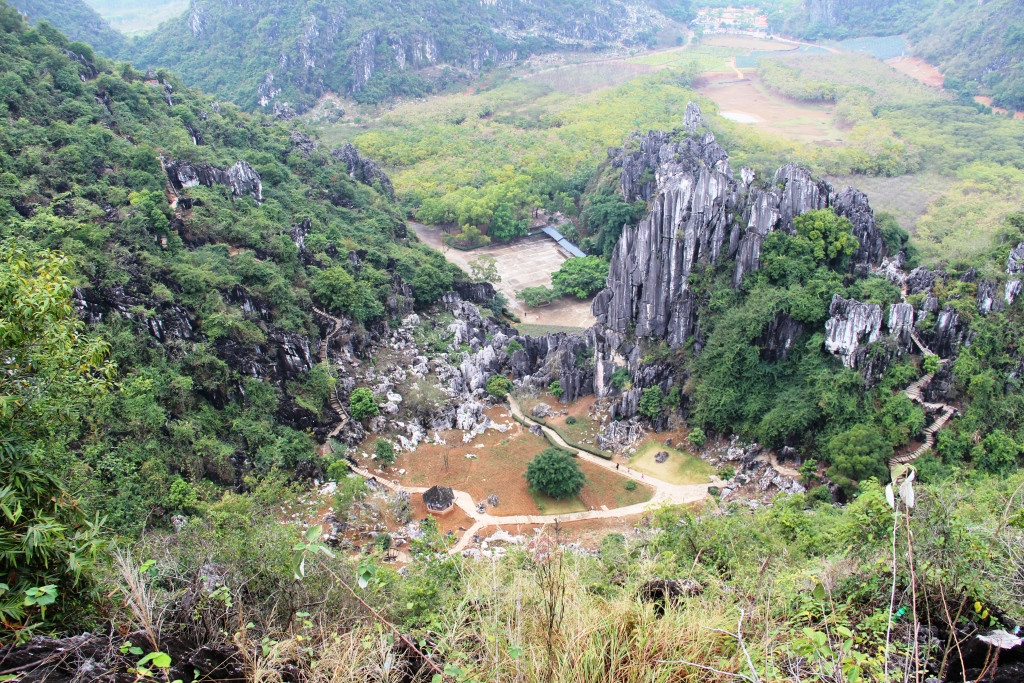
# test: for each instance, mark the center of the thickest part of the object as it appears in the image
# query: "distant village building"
(439, 499)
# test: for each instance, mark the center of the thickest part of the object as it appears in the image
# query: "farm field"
(746, 100)
(680, 468)
(524, 262)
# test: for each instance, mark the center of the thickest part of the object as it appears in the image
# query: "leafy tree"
(504, 226)
(697, 437)
(363, 404)
(859, 453)
(484, 268)
(809, 471)
(930, 364)
(536, 296)
(997, 453)
(385, 452)
(651, 402)
(430, 284)
(556, 474)
(498, 386)
(581, 277)
(51, 372)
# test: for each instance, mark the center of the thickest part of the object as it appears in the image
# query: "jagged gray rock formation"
(1014, 267)
(851, 324)
(363, 170)
(700, 214)
(242, 178)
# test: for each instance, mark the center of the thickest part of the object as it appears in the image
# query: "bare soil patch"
(498, 467)
(749, 102)
(918, 69)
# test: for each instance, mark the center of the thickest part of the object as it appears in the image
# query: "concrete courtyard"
(525, 262)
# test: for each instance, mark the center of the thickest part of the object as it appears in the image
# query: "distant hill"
(839, 19)
(133, 17)
(274, 52)
(77, 21)
(979, 45)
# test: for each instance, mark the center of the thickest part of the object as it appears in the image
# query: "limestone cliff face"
(702, 215)
(364, 170)
(242, 178)
(851, 324)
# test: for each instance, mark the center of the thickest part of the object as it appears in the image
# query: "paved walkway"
(664, 493)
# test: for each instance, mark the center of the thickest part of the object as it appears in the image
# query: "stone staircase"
(334, 401)
(915, 392)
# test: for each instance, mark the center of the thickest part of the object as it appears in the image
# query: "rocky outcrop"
(363, 170)
(1014, 268)
(700, 214)
(778, 337)
(164, 321)
(988, 298)
(242, 179)
(851, 324)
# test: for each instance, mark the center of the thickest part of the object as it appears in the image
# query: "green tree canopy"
(581, 277)
(859, 453)
(555, 473)
(362, 404)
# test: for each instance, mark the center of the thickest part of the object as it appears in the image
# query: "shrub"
(498, 386)
(556, 389)
(930, 364)
(513, 346)
(651, 402)
(631, 485)
(726, 472)
(385, 452)
(620, 378)
(570, 420)
(697, 437)
(556, 474)
(362, 404)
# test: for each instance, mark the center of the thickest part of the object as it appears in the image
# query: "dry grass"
(680, 468)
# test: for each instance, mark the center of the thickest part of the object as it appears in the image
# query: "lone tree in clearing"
(555, 474)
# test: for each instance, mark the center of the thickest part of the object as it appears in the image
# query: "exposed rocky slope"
(702, 215)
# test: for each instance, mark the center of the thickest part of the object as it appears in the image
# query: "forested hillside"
(838, 19)
(218, 336)
(76, 20)
(276, 53)
(199, 286)
(979, 46)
